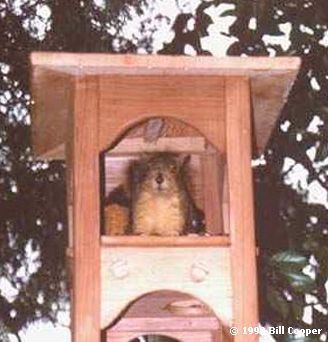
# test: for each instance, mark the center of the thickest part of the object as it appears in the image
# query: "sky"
(217, 43)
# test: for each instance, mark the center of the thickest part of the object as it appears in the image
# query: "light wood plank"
(139, 145)
(128, 273)
(241, 206)
(163, 241)
(96, 63)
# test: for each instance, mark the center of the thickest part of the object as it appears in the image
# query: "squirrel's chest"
(159, 215)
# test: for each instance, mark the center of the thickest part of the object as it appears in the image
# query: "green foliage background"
(292, 233)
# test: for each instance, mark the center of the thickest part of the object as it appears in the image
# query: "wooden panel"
(170, 127)
(130, 273)
(212, 167)
(268, 99)
(52, 95)
(194, 336)
(117, 171)
(225, 202)
(241, 206)
(138, 145)
(197, 101)
(86, 244)
(163, 241)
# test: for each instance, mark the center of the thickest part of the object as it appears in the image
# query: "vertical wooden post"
(241, 206)
(212, 172)
(86, 230)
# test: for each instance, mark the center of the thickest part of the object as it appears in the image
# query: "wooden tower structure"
(91, 110)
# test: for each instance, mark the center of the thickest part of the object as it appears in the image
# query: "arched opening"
(166, 316)
(206, 180)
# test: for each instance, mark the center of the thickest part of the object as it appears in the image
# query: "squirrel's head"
(160, 172)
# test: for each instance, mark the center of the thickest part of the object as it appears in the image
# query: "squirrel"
(161, 203)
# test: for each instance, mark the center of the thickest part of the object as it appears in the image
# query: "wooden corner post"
(241, 213)
(83, 150)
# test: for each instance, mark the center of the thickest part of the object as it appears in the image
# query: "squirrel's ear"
(183, 160)
(138, 169)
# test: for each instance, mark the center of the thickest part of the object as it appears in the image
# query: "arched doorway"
(207, 172)
(166, 316)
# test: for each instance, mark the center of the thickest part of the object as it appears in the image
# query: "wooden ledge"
(161, 241)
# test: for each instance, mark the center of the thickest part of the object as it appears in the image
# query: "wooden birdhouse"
(99, 112)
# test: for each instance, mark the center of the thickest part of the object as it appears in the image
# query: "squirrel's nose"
(159, 179)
